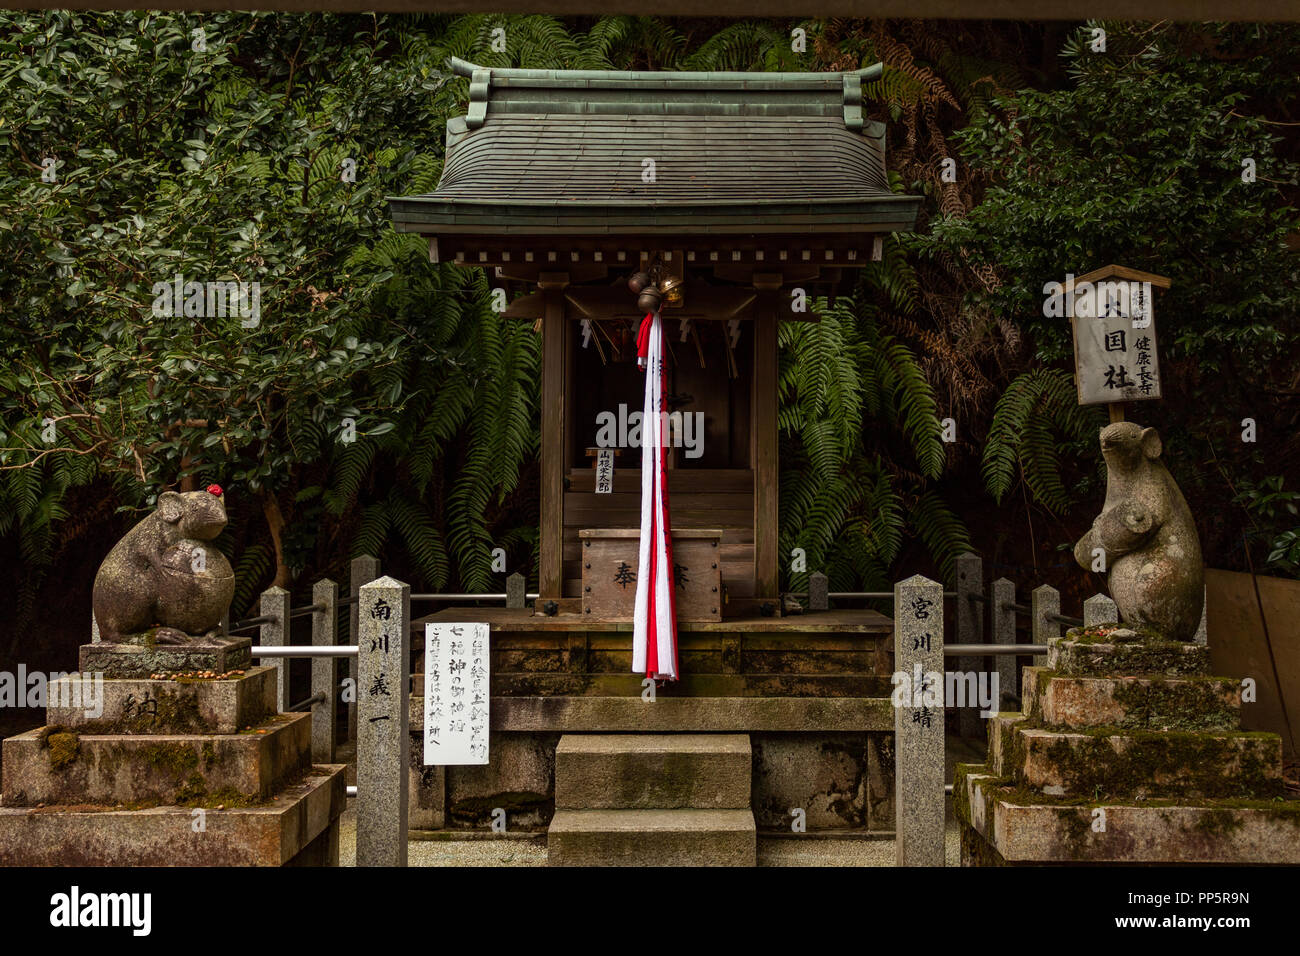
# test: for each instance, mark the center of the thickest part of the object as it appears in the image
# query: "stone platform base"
(1128, 751)
(191, 767)
(157, 768)
(1008, 827)
(299, 826)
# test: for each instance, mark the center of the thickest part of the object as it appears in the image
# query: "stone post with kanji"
(383, 721)
(918, 722)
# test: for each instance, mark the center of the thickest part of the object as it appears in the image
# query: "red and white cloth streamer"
(654, 635)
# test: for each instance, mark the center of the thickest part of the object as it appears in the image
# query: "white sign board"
(456, 694)
(1115, 357)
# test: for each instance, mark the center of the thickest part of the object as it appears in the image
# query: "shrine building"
(739, 198)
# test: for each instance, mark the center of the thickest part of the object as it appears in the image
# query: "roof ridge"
(580, 78)
(510, 90)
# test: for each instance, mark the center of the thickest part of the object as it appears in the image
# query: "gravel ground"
(499, 852)
(772, 851)
(828, 851)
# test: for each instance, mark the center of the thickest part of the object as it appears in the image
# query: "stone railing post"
(516, 592)
(383, 722)
(918, 722)
(324, 670)
(275, 603)
(364, 570)
(1002, 594)
(969, 629)
(1202, 635)
(1100, 609)
(818, 592)
(1044, 601)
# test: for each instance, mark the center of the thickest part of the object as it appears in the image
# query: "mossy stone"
(64, 749)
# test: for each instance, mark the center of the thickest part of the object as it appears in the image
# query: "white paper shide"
(456, 681)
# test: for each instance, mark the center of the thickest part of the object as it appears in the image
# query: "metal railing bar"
(253, 622)
(307, 704)
(1063, 619)
(467, 597)
(848, 594)
(975, 650)
(305, 650)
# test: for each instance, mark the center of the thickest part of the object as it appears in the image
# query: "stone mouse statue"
(1153, 555)
(163, 581)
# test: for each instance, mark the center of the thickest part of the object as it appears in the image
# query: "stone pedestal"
(217, 656)
(1128, 751)
(171, 769)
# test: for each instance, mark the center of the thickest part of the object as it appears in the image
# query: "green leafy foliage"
(379, 405)
(1034, 413)
(1140, 162)
(846, 499)
(217, 156)
(377, 398)
(1270, 506)
(1174, 153)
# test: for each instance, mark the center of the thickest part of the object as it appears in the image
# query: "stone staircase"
(652, 800)
(170, 769)
(1129, 750)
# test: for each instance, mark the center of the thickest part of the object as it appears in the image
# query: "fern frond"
(351, 467)
(1037, 405)
(944, 534)
(251, 570)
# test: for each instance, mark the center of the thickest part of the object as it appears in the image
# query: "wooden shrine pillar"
(553, 393)
(763, 438)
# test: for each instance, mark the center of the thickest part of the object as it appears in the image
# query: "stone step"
(299, 825)
(1142, 703)
(1002, 742)
(653, 771)
(652, 838)
(1003, 825)
(1080, 655)
(1145, 764)
(65, 768)
(129, 705)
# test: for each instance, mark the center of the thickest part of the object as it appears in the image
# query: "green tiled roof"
(567, 152)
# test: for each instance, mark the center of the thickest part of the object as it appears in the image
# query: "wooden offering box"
(610, 559)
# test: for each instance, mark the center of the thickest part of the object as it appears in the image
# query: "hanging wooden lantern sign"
(1112, 316)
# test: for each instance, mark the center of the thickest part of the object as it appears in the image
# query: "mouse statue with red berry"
(164, 582)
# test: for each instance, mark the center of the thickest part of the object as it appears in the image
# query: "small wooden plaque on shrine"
(610, 565)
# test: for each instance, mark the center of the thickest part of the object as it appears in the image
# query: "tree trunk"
(275, 521)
